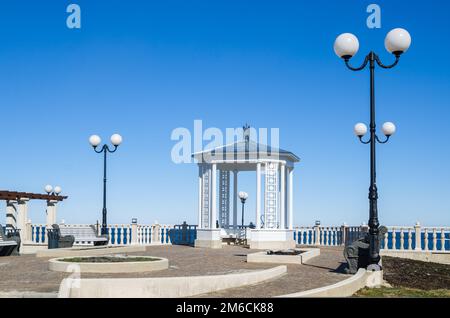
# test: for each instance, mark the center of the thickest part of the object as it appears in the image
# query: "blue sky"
(143, 69)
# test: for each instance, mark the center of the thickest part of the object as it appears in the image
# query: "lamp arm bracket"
(384, 141)
(111, 151)
(364, 142)
(363, 65)
(397, 59)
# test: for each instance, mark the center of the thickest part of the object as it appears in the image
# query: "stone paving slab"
(28, 273)
(323, 270)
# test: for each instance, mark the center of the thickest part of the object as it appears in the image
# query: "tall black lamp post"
(243, 196)
(95, 140)
(346, 46)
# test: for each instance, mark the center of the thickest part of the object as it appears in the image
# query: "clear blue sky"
(143, 68)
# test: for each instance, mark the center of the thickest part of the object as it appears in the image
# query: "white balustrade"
(121, 234)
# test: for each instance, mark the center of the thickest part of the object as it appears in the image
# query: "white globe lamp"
(397, 41)
(360, 129)
(95, 140)
(116, 139)
(48, 188)
(346, 45)
(58, 190)
(388, 129)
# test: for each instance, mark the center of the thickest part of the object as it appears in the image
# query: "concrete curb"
(345, 288)
(162, 287)
(57, 265)
(89, 251)
(262, 257)
(440, 257)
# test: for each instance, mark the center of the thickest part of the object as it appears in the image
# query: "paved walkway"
(28, 273)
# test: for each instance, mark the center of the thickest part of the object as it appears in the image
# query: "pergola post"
(22, 218)
(51, 213)
(11, 214)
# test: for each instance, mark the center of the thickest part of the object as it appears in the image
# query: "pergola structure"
(17, 209)
(219, 168)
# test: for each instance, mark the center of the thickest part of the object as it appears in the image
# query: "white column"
(282, 196)
(22, 218)
(258, 195)
(291, 199)
(200, 198)
(418, 235)
(51, 213)
(235, 198)
(213, 196)
(11, 214)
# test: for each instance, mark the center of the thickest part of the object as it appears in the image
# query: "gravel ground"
(28, 273)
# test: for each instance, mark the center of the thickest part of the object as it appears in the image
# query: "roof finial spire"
(246, 133)
(246, 129)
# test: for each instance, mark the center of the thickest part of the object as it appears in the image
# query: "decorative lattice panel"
(224, 199)
(206, 188)
(271, 196)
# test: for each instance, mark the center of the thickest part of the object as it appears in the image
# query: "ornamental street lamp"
(346, 46)
(53, 191)
(243, 196)
(95, 140)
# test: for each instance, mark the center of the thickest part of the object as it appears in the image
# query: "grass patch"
(402, 292)
(109, 259)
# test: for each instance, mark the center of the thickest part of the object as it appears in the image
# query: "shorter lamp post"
(52, 191)
(243, 196)
(95, 140)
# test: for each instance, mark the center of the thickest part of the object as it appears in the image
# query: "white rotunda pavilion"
(274, 216)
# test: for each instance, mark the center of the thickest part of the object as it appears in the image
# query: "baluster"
(442, 240)
(321, 236)
(386, 235)
(35, 239)
(426, 239)
(394, 239)
(168, 236)
(434, 239)
(122, 234)
(410, 239)
(402, 239)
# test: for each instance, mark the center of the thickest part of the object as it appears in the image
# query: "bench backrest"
(79, 232)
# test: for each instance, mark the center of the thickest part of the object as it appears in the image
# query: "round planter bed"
(108, 264)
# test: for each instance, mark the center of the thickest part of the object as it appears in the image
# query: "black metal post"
(374, 242)
(105, 149)
(104, 211)
(243, 204)
(374, 247)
